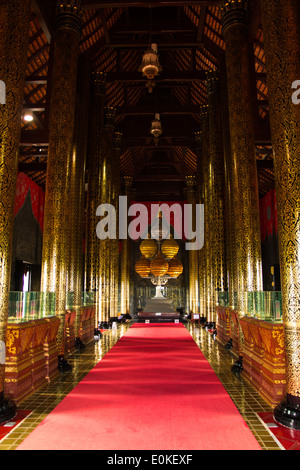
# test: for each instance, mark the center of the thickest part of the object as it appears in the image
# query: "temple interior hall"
(149, 225)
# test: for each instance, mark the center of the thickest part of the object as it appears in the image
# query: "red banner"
(268, 215)
(37, 196)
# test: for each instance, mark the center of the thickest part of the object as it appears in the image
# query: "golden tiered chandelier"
(159, 266)
(175, 268)
(148, 248)
(169, 248)
(142, 267)
(158, 261)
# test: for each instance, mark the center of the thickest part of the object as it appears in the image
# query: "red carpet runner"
(154, 390)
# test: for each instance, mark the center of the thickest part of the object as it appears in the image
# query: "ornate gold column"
(94, 158)
(106, 198)
(207, 252)
(243, 159)
(280, 20)
(125, 258)
(193, 254)
(116, 189)
(232, 267)
(76, 194)
(216, 190)
(200, 200)
(61, 132)
(14, 19)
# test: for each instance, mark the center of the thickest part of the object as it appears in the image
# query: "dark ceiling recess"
(114, 37)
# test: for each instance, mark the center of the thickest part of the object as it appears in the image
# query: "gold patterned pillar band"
(125, 257)
(14, 34)
(243, 158)
(106, 198)
(61, 132)
(206, 256)
(280, 20)
(76, 184)
(200, 200)
(216, 190)
(232, 268)
(193, 254)
(116, 189)
(94, 158)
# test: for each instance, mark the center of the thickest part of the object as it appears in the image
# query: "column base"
(63, 364)
(79, 344)
(237, 368)
(288, 414)
(97, 334)
(8, 409)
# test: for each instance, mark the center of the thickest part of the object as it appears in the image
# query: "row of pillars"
(61, 266)
(82, 140)
(227, 183)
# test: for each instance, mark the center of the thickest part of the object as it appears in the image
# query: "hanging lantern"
(150, 66)
(156, 129)
(142, 267)
(159, 266)
(175, 268)
(148, 248)
(169, 248)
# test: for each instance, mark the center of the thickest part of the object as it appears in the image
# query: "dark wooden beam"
(24, 167)
(36, 80)
(174, 76)
(141, 110)
(38, 138)
(38, 7)
(202, 18)
(97, 4)
(145, 178)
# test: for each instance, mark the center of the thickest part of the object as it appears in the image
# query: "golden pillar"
(106, 198)
(232, 267)
(116, 189)
(125, 257)
(61, 131)
(216, 189)
(94, 158)
(280, 20)
(243, 158)
(14, 34)
(200, 200)
(193, 254)
(76, 184)
(207, 255)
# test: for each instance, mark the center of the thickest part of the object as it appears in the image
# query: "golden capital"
(190, 182)
(234, 12)
(99, 83)
(127, 182)
(110, 116)
(212, 80)
(203, 114)
(68, 15)
(118, 140)
(198, 136)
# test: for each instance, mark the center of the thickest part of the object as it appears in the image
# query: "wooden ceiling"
(114, 36)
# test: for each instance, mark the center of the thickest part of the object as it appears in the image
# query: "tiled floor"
(247, 400)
